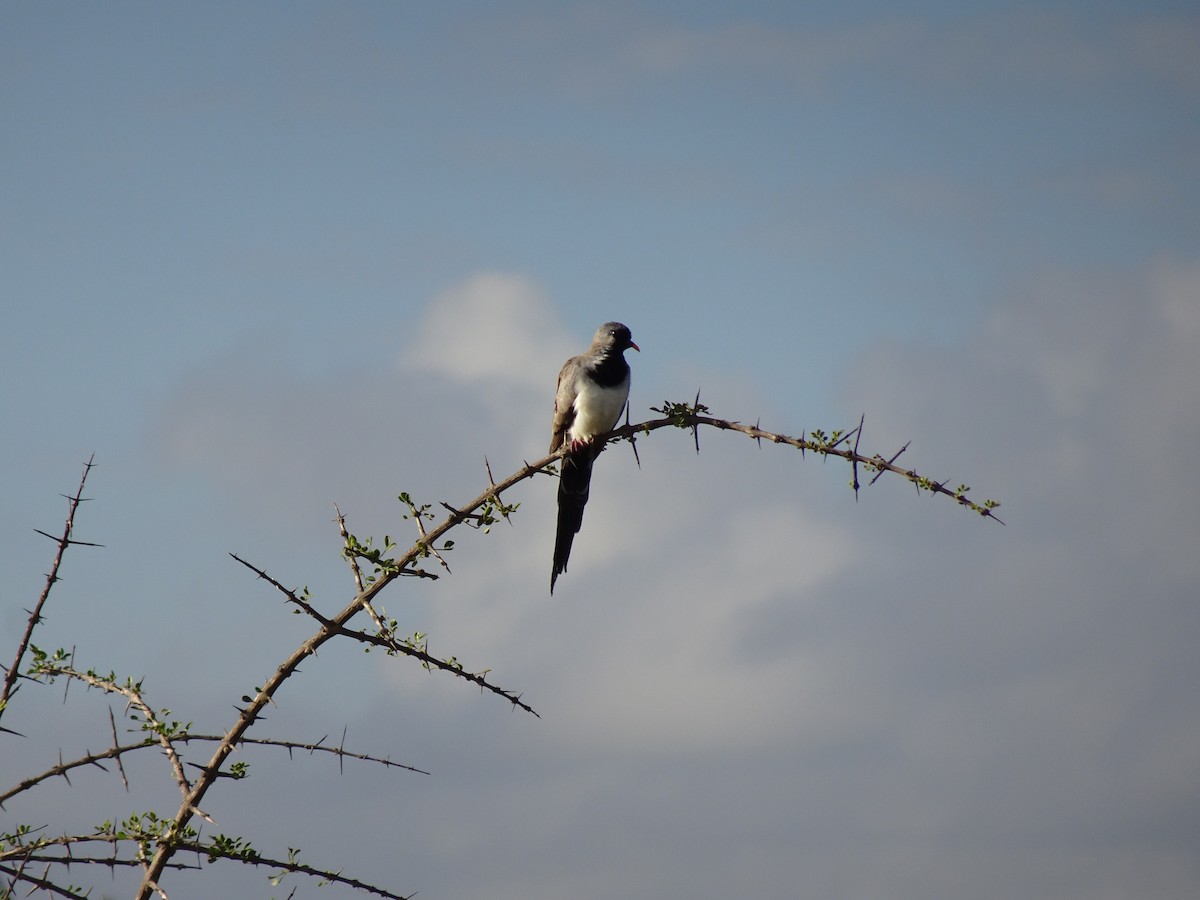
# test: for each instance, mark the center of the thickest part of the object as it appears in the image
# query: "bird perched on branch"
(593, 389)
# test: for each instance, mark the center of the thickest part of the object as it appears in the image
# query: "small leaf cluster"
(415, 511)
(223, 846)
(293, 863)
(146, 829)
(823, 443)
(492, 510)
(48, 666)
(161, 726)
(681, 414)
(381, 563)
(16, 840)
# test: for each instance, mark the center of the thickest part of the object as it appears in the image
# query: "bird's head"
(614, 336)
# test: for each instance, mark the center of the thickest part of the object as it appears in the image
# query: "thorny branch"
(35, 615)
(387, 640)
(163, 732)
(692, 416)
(176, 834)
(118, 750)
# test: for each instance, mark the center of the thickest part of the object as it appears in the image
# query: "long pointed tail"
(573, 482)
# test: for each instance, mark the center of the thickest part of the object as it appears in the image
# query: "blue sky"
(261, 259)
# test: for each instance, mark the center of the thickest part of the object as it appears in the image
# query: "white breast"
(597, 409)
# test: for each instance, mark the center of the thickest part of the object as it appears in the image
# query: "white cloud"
(492, 328)
(475, 378)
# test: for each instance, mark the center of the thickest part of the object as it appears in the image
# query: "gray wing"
(564, 401)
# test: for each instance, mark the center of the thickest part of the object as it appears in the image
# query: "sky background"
(261, 259)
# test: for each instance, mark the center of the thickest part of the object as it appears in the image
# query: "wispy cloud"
(1025, 45)
(494, 329)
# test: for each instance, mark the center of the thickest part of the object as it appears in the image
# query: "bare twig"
(854, 469)
(883, 469)
(64, 541)
(63, 769)
(112, 724)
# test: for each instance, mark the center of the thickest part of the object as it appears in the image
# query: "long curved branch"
(678, 415)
